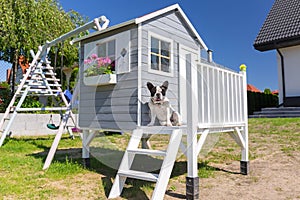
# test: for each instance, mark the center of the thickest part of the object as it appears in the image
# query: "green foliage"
(30, 102)
(5, 96)
(267, 91)
(27, 24)
(257, 101)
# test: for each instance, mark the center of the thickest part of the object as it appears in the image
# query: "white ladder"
(162, 178)
(39, 80)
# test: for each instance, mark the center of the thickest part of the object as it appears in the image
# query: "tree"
(26, 24)
(267, 91)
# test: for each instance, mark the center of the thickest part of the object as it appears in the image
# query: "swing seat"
(52, 126)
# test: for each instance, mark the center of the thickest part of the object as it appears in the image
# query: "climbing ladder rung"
(41, 86)
(147, 152)
(139, 175)
(42, 109)
(42, 91)
(44, 67)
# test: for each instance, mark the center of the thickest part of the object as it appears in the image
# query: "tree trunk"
(14, 71)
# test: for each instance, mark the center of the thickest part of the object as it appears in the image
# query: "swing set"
(40, 80)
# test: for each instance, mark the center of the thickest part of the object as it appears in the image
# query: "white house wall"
(292, 72)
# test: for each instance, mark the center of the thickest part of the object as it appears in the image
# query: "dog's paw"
(169, 124)
(150, 124)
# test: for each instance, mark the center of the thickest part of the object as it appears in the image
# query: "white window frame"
(161, 38)
(106, 47)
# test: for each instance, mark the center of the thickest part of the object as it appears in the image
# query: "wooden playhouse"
(159, 46)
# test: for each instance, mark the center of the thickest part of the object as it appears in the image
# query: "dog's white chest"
(161, 111)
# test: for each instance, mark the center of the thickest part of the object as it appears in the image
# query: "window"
(108, 49)
(160, 54)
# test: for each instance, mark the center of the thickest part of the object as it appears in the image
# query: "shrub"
(257, 101)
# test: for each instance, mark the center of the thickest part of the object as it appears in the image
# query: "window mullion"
(159, 57)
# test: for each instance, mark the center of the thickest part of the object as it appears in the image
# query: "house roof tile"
(281, 27)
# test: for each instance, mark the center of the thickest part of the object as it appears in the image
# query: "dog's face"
(158, 93)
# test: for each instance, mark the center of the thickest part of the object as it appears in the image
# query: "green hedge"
(257, 101)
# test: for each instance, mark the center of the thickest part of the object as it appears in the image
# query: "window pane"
(154, 62)
(113, 63)
(111, 48)
(154, 45)
(102, 50)
(165, 64)
(165, 48)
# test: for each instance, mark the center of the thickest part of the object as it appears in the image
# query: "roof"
(275, 92)
(252, 88)
(150, 16)
(281, 27)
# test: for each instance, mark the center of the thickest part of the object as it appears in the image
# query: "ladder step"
(139, 175)
(44, 67)
(37, 78)
(147, 152)
(42, 109)
(42, 91)
(42, 86)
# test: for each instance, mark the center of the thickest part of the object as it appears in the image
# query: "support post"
(87, 138)
(244, 164)
(192, 180)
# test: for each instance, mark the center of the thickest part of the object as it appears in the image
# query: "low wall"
(33, 124)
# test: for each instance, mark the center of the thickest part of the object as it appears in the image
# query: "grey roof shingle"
(281, 27)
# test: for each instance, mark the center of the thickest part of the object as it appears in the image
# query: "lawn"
(22, 177)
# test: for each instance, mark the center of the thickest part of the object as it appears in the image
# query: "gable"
(281, 27)
(150, 17)
(171, 25)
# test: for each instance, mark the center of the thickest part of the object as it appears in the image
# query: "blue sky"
(229, 28)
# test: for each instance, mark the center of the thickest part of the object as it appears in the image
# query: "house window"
(160, 54)
(108, 49)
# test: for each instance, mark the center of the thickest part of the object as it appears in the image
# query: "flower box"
(103, 79)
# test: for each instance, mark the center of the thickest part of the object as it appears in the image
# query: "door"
(187, 58)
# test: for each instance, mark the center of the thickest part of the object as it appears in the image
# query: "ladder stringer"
(5, 132)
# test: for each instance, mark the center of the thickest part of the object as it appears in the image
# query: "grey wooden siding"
(171, 27)
(111, 107)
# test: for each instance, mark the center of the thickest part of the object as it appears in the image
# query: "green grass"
(22, 159)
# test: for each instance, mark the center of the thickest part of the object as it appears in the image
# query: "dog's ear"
(150, 86)
(165, 85)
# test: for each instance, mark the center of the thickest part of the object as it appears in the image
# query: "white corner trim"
(156, 13)
(139, 106)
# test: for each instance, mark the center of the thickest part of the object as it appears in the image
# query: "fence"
(222, 98)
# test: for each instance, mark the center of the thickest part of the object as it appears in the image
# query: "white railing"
(222, 96)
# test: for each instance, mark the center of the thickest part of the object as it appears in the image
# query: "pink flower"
(107, 60)
(100, 62)
(94, 56)
(88, 61)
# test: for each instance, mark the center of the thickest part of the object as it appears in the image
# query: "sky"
(229, 28)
